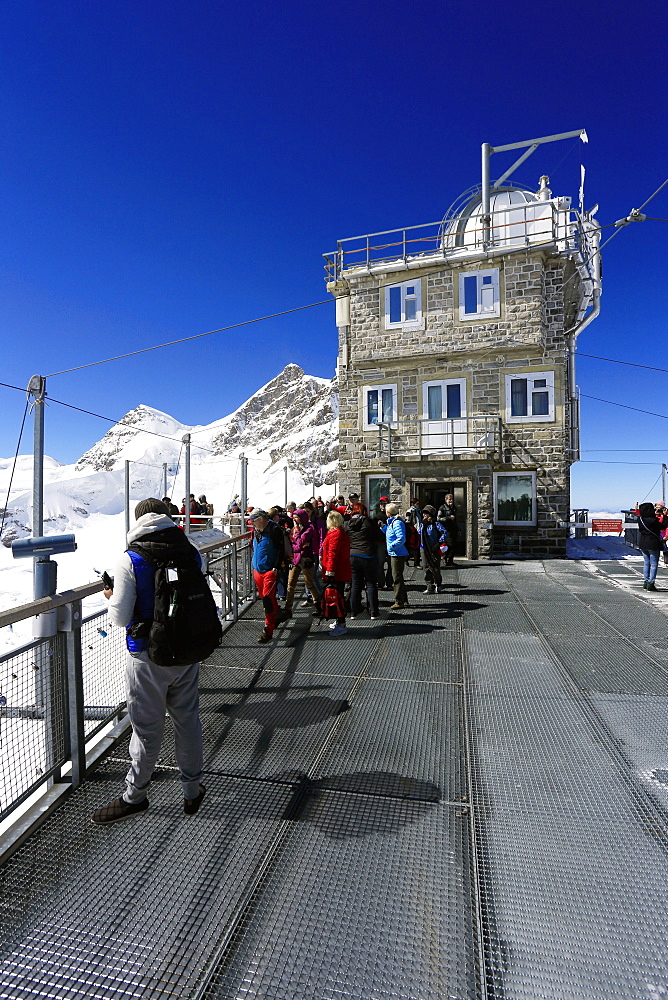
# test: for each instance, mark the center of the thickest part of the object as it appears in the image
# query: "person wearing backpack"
(169, 626)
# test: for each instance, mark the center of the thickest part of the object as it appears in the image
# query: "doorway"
(435, 494)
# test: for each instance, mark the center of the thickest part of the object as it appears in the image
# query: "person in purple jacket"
(305, 545)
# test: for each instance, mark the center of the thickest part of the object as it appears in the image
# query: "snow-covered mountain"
(292, 421)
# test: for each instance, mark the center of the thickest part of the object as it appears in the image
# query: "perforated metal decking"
(465, 799)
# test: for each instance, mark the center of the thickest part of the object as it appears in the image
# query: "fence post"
(70, 624)
(164, 479)
(235, 583)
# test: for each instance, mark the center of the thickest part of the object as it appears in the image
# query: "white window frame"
(532, 378)
(515, 524)
(366, 389)
(461, 382)
(485, 310)
(403, 323)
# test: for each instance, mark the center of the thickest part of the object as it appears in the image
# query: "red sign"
(614, 524)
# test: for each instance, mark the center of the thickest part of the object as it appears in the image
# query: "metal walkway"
(465, 799)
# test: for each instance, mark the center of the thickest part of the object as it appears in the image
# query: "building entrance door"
(435, 494)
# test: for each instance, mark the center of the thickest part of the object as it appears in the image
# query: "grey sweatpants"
(151, 691)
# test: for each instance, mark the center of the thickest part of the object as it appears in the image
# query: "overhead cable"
(612, 402)
(631, 364)
(16, 455)
(196, 336)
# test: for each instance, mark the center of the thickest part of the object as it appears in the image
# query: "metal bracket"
(69, 617)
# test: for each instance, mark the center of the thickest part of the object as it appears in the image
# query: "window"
(403, 305)
(444, 400)
(444, 413)
(515, 498)
(379, 405)
(479, 294)
(376, 487)
(530, 397)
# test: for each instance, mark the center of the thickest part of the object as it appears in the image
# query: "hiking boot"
(265, 636)
(429, 590)
(117, 811)
(396, 607)
(644, 585)
(190, 806)
(282, 615)
(339, 630)
(651, 586)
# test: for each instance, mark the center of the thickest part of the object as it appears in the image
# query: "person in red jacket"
(336, 571)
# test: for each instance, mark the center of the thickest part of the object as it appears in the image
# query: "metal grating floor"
(465, 799)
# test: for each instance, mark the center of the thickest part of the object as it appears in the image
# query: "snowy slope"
(293, 421)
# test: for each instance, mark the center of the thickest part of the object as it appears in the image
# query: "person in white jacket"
(152, 690)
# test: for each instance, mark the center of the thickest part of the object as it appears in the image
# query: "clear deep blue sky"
(170, 168)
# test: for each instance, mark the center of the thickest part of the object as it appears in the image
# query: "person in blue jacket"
(395, 538)
(432, 536)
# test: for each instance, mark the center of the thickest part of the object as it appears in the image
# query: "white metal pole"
(664, 470)
(186, 441)
(285, 491)
(127, 496)
(244, 484)
(164, 479)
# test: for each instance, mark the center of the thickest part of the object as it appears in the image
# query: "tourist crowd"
(344, 553)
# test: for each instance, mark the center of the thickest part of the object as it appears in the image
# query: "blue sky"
(172, 168)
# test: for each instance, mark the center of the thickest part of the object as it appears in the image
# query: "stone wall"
(528, 335)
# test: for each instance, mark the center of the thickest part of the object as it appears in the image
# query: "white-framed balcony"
(417, 438)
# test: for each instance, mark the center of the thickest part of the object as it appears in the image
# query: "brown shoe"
(117, 811)
(396, 607)
(265, 636)
(190, 806)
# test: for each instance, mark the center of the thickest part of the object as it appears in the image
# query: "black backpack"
(185, 627)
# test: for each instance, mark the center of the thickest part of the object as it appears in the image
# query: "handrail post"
(70, 623)
(452, 437)
(235, 583)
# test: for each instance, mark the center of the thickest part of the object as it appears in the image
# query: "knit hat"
(150, 506)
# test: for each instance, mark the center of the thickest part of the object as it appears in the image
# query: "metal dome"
(518, 215)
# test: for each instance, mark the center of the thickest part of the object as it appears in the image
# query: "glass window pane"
(378, 487)
(434, 402)
(487, 279)
(514, 500)
(540, 404)
(540, 383)
(518, 397)
(395, 305)
(411, 309)
(372, 406)
(387, 406)
(454, 400)
(471, 294)
(410, 290)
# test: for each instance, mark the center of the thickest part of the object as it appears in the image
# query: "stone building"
(456, 367)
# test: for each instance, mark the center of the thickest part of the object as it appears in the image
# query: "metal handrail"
(473, 442)
(443, 241)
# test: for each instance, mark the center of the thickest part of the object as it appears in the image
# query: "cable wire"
(196, 336)
(612, 402)
(631, 364)
(651, 487)
(16, 455)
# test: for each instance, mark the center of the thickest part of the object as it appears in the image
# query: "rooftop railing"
(527, 225)
(415, 437)
(58, 693)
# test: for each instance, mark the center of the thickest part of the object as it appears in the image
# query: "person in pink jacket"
(305, 544)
